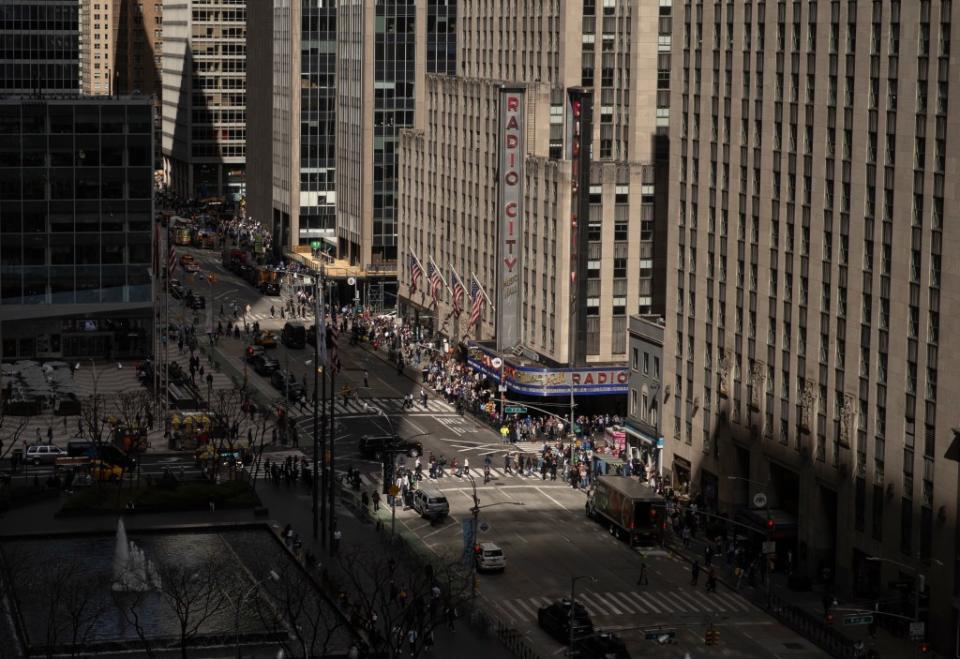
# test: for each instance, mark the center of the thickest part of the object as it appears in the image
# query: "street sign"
(502, 388)
(759, 500)
(496, 362)
(514, 409)
(351, 281)
(394, 490)
(314, 244)
(484, 526)
(864, 619)
(769, 547)
(917, 631)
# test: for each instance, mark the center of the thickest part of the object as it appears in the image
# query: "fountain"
(131, 569)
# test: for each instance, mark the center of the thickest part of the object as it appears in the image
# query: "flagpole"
(321, 347)
(316, 409)
(331, 482)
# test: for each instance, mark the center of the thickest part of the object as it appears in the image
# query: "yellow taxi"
(104, 471)
(266, 339)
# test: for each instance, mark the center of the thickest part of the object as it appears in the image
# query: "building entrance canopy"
(543, 381)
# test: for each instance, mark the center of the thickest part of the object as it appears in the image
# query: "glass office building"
(39, 47)
(76, 183)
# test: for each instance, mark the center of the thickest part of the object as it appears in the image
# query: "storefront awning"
(646, 438)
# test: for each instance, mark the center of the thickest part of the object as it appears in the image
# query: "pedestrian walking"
(376, 501)
(412, 641)
(366, 379)
(711, 580)
(695, 573)
(643, 581)
(708, 555)
(49, 434)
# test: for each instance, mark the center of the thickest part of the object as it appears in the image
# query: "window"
(635, 362)
(646, 363)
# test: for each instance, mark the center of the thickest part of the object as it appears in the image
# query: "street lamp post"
(919, 581)
(271, 576)
(475, 512)
(573, 604)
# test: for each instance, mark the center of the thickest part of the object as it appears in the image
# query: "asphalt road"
(541, 525)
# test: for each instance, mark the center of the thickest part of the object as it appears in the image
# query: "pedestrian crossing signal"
(712, 636)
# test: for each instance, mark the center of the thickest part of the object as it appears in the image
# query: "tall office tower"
(39, 47)
(810, 213)
(384, 52)
(534, 169)
(95, 40)
(76, 215)
(137, 46)
(291, 76)
(204, 97)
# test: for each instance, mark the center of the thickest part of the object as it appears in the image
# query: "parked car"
(266, 338)
(193, 266)
(253, 351)
(186, 258)
(430, 503)
(44, 454)
(271, 288)
(265, 365)
(490, 558)
(177, 291)
(554, 619)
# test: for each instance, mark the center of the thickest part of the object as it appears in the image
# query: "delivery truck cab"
(631, 510)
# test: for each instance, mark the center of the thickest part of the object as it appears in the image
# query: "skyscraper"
(39, 47)
(290, 118)
(384, 51)
(204, 99)
(76, 215)
(810, 348)
(535, 169)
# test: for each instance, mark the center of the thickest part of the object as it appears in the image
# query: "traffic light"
(711, 636)
(771, 528)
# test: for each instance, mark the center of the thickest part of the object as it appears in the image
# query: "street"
(546, 540)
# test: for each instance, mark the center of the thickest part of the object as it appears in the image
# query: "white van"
(490, 558)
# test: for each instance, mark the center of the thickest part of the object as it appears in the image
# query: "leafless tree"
(301, 615)
(129, 605)
(390, 597)
(193, 595)
(229, 417)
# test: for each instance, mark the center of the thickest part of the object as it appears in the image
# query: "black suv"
(375, 447)
(280, 377)
(195, 301)
(253, 352)
(555, 620)
(270, 288)
(264, 364)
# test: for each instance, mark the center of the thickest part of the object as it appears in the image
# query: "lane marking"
(550, 498)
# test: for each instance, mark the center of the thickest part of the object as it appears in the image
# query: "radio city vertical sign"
(510, 215)
(579, 124)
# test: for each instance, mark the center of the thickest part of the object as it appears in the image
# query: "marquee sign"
(510, 214)
(540, 381)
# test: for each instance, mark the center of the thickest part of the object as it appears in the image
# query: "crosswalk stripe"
(599, 608)
(717, 603)
(690, 602)
(736, 601)
(700, 600)
(650, 605)
(607, 602)
(661, 603)
(673, 601)
(511, 610)
(526, 607)
(622, 602)
(635, 601)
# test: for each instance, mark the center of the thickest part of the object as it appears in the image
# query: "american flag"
(171, 261)
(433, 274)
(416, 271)
(457, 293)
(333, 339)
(476, 295)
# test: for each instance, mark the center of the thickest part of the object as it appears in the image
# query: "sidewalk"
(800, 610)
